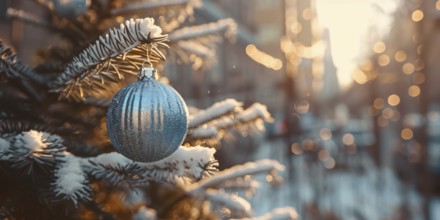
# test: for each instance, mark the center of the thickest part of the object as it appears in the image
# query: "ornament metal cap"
(147, 73)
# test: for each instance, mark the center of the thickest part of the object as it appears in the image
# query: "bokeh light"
(393, 100)
(417, 15)
(406, 134)
(414, 91)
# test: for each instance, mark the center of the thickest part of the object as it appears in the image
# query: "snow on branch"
(33, 150)
(250, 168)
(4, 149)
(114, 168)
(256, 110)
(285, 213)
(199, 50)
(202, 133)
(248, 121)
(231, 201)
(227, 25)
(217, 110)
(220, 188)
(197, 44)
(116, 55)
(70, 181)
(187, 164)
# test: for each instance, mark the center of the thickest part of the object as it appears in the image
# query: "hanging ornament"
(147, 120)
(71, 9)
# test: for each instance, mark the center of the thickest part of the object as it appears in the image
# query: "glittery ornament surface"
(147, 120)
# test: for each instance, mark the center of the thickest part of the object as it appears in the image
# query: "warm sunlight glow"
(359, 77)
(263, 58)
(349, 22)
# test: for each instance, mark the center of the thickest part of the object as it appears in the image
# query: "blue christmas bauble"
(147, 120)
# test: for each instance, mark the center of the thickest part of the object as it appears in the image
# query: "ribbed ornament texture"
(147, 120)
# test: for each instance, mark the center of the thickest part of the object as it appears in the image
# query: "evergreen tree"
(56, 159)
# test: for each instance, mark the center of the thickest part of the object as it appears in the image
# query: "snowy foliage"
(185, 164)
(30, 150)
(203, 133)
(286, 213)
(231, 201)
(12, 67)
(220, 189)
(70, 181)
(217, 110)
(113, 55)
(167, 19)
(238, 171)
(4, 148)
(216, 121)
(190, 33)
(197, 44)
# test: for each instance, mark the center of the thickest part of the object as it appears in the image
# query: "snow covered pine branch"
(197, 44)
(116, 55)
(214, 122)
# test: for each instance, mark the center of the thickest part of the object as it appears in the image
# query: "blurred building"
(234, 73)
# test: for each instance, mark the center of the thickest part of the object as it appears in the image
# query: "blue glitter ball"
(147, 120)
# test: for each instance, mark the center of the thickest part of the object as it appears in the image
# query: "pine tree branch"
(285, 213)
(27, 17)
(201, 133)
(116, 55)
(12, 67)
(32, 151)
(71, 182)
(228, 26)
(219, 109)
(231, 201)
(14, 126)
(186, 164)
(249, 121)
(114, 168)
(250, 168)
(69, 30)
(197, 44)
(170, 14)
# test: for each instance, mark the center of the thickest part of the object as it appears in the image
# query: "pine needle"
(118, 54)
